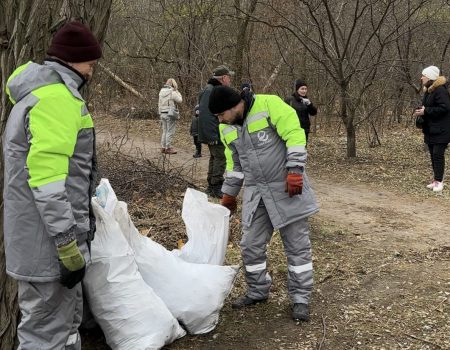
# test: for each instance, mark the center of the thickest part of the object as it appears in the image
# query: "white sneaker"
(438, 186)
(431, 185)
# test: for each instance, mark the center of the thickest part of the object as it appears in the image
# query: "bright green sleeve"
(285, 120)
(54, 123)
(234, 177)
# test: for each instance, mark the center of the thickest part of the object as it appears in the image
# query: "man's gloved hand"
(306, 101)
(294, 184)
(71, 264)
(229, 202)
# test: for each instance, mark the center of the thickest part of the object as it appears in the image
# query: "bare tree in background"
(342, 48)
(186, 40)
(26, 28)
(244, 9)
(152, 41)
(348, 38)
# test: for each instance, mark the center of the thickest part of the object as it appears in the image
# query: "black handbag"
(419, 122)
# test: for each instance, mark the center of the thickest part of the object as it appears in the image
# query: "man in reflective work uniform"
(50, 171)
(265, 149)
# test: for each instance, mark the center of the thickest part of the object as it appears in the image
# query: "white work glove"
(306, 101)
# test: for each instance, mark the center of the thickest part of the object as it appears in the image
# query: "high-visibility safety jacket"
(49, 170)
(259, 155)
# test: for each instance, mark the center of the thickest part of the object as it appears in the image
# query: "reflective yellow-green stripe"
(257, 125)
(230, 135)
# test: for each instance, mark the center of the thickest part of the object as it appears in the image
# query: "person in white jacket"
(169, 96)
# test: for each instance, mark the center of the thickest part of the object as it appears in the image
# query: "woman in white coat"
(169, 96)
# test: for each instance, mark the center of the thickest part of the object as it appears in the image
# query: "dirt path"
(391, 220)
(397, 221)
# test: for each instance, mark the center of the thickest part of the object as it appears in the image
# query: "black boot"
(300, 312)
(245, 301)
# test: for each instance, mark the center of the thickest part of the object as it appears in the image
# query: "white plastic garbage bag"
(207, 226)
(194, 293)
(129, 312)
(106, 196)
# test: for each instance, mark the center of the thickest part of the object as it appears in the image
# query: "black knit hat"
(74, 42)
(246, 86)
(298, 83)
(223, 98)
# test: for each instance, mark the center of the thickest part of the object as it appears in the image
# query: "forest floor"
(381, 245)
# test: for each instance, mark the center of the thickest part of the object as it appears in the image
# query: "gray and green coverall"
(49, 177)
(259, 155)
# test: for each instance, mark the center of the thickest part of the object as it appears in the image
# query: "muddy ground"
(381, 246)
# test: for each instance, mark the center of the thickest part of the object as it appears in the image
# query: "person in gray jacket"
(208, 132)
(265, 149)
(169, 97)
(49, 178)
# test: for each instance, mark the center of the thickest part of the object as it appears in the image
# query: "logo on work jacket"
(263, 138)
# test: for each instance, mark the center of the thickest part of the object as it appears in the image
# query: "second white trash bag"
(194, 293)
(207, 226)
(129, 312)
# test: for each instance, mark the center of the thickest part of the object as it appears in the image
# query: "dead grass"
(401, 164)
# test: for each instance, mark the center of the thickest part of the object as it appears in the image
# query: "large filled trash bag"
(127, 309)
(194, 293)
(207, 226)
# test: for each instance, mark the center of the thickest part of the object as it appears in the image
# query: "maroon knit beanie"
(74, 42)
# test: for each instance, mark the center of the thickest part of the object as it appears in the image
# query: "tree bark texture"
(348, 117)
(242, 35)
(26, 28)
(351, 140)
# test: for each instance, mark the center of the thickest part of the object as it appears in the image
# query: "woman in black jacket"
(435, 110)
(302, 105)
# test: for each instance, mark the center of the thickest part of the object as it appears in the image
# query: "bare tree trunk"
(241, 40)
(348, 119)
(399, 105)
(26, 28)
(351, 140)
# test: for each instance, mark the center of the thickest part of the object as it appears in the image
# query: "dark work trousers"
(217, 164)
(198, 145)
(437, 151)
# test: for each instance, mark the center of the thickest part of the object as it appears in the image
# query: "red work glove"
(294, 184)
(229, 202)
